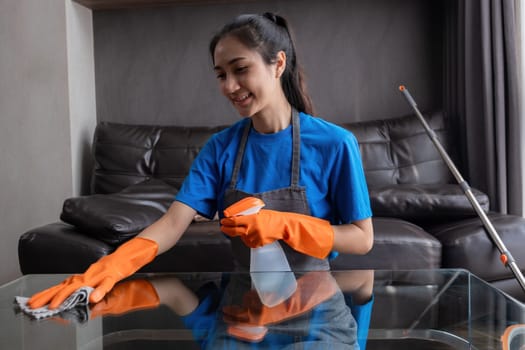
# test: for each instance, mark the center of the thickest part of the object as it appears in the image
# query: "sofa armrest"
(58, 248)
(62, 248)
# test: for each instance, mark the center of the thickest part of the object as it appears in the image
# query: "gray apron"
(289, 199)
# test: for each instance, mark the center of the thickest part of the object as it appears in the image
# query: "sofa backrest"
(399, 151)
(128, 154)
(394, 151)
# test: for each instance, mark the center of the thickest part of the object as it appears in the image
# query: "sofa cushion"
(425, 202)
(115, 218)
(203, 247)
(466, 244)
(398, 244)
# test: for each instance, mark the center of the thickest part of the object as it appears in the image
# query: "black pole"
(505, 257)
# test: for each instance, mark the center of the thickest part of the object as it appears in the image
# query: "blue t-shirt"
(330, 169)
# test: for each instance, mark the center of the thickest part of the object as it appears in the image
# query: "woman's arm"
(169, 228)
(173, 293)
(354, 238)
(124, 261)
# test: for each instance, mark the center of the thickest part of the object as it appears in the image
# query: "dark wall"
(152, 65)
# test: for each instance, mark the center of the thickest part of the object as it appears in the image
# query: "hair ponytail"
(268, 34)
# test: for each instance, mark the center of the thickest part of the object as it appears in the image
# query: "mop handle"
(505, 257)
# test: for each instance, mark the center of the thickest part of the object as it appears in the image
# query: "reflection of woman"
(231, 316)
(357, 287)
(314, 315)
(306, 170)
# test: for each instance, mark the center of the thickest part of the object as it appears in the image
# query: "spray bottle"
(270, 271)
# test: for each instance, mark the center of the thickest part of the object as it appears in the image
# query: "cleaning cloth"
(80, 298)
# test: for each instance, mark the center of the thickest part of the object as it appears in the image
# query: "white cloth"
(79, 298)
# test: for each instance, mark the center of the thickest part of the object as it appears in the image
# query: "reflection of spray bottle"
(514, 337)
(271, 274)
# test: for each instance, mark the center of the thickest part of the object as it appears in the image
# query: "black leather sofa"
(422, 220)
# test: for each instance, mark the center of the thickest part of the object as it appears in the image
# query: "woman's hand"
(306, 234)
(101, 275)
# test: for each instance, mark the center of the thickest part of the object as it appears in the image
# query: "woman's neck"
(273, 119)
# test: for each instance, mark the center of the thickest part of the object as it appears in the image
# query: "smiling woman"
(256, 65)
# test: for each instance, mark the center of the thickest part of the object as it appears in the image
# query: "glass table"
(419, 309)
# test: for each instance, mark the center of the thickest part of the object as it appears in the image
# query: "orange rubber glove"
(248, 321)
(126, 297)
(306, 234)
(101, 275)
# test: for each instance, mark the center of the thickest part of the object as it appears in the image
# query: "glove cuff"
(132, 255)
(314, 237)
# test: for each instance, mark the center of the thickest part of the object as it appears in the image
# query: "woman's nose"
(230, 85)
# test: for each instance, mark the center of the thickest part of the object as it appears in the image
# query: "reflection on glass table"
(438, 309)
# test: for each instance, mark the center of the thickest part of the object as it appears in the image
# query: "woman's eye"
(241, 69)
(221, 76)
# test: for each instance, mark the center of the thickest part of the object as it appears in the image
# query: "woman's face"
(250, 84)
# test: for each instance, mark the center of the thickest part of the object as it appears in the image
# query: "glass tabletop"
(419, 309)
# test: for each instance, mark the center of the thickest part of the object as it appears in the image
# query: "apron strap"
(296, 148)
(296, 151)
(240, 154)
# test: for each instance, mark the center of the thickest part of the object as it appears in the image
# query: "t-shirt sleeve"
(199, 189)
(349, 190)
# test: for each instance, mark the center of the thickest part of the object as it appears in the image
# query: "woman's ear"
(280, 64)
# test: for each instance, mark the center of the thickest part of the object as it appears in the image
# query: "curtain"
(481, 94)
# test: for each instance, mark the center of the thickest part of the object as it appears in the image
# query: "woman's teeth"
(241, 98)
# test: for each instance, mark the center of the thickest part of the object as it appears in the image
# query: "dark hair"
(268, 34)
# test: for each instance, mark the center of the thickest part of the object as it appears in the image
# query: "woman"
(306, 170)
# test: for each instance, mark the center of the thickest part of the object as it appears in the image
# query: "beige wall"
(81, 87)
(38, 158)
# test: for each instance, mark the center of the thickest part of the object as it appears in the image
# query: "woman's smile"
(242, 100)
